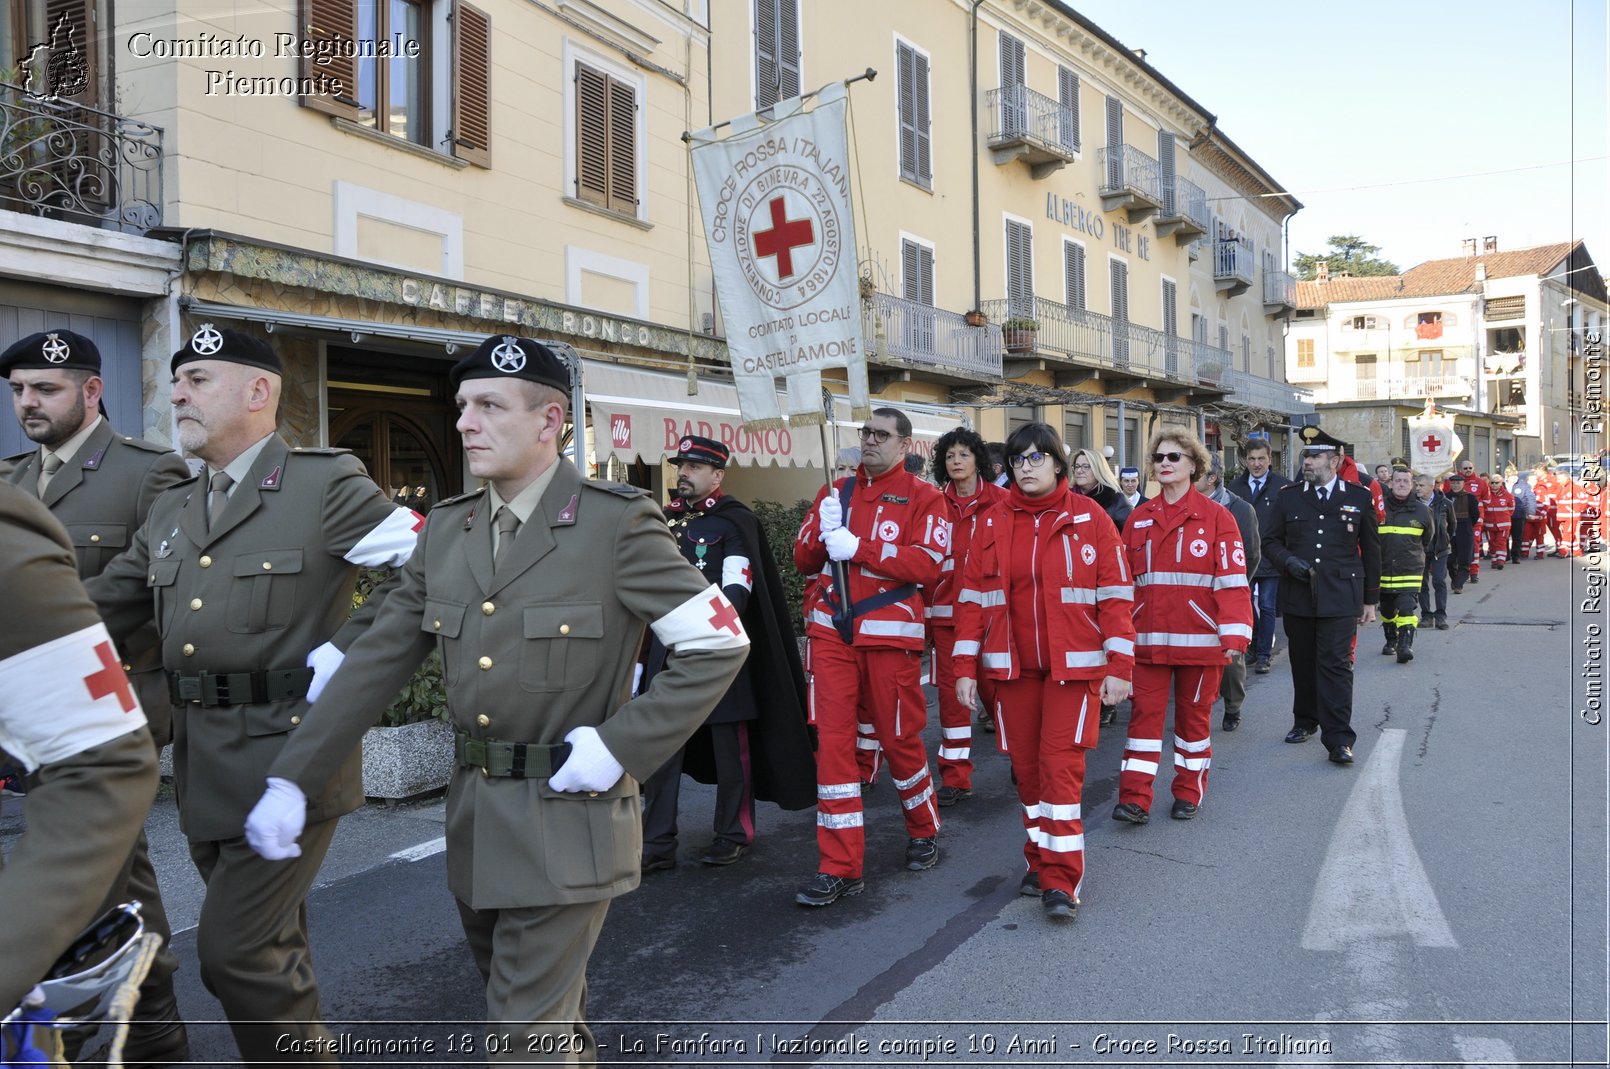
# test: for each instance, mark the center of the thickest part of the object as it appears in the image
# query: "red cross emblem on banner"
(725, 616)
(783, 238)
(1432, 443)
(110, 679)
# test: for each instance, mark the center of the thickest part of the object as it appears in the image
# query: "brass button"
(483, 720)
(564, 629)
(151, 578)
(295, 720)
(195, 603)
(128, 668)
(437, 624)
(189, 650)
(592, 794)
(205, 562)
(485, 773)
(94, 538)
(485, 663)
(268, 566)
(487, 608)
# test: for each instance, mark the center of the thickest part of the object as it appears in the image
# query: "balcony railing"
(1129, 181)
(1260, 392)
(1032, 127)
(1090, 337)
(909, 332)
(1232, 265)
(1279, 292)
(65, 161)
(1409, 388)
(1185, 211)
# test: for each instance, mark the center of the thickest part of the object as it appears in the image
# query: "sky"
(1387, 119)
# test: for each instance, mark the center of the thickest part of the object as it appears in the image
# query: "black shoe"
(986, 721)
(1231, 721)
(1405, 655)
(1391, 647)
(1058, 905)
(1262, 667)
(1442, 625)
(724, 852)
(1458, 590)
(1109, 715)
(1183, 810)
(867, 785)
(1342, 755)
(1498, 565)
(1131, 813)
(1473, 579)
(921, 854)
(825, 889)
(1299, 734)
(1030, 885)
(949, 796)
(658, 862)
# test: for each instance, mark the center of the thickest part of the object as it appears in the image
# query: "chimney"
(1468, 246)
(1321, 271)
(1481, 272)
(1489, 243)
(1140, 54)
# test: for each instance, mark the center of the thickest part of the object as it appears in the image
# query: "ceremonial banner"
(1433, 446)
(776, 203)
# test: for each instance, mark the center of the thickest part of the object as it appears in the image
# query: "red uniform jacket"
(1192, 601)
(1084, 591)
(904, 527)
(1498, 507)
(964, 512)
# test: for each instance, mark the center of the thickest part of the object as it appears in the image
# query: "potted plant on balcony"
(1019, 334)
(976, 318)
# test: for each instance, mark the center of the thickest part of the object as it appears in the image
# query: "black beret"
(65, 349)
(505, 356)
(701, 451)
(231, 346)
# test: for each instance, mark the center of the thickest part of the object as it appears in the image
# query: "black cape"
(780, 742)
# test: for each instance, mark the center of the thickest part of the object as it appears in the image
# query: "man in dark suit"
(1259, 486)
(1322, 536)
(100, 485)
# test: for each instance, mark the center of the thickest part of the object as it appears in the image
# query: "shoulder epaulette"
(143, 445)
(19, 458)
(625, 490)
(318, 451)
(472, 495)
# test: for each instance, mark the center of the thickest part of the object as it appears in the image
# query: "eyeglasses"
(1172, 458)
(872, 434)
(1080, 465)
(1030, 460)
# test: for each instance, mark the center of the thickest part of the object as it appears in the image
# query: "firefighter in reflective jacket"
(892, 537)
(1405, 538)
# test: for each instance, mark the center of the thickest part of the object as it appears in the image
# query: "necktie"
(1257, 487)
(50, 466)
(1324, 494)
(217, 496)
(508, 526)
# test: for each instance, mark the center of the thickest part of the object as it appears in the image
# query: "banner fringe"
(861, 413)
(770, 423)
(806, 419)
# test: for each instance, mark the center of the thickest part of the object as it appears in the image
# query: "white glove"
(637, 678)
(841, 544)
(830, 514)
(276, 821)
(590, 766)
(324, 661)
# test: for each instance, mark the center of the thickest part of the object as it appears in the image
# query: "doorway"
(394, 414)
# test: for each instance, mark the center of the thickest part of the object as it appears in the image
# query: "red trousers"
(885, 683)
(955, 721)
(1195, 688)
(1498, 541)
(1046, 727)
(1532, 536)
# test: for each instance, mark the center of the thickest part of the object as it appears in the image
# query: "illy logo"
(620, 430)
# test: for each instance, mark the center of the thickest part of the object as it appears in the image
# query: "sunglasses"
(871, 434)
(1030, 460)
(1172, 458)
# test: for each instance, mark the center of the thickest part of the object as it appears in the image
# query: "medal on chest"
(699, 552)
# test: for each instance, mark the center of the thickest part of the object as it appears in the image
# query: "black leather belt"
(240, 688)
(515, 760)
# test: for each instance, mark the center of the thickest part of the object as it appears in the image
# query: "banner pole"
(840, 569)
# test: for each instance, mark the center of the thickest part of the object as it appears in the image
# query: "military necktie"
(217, 496)
(1324, 494)
(49, 467)
(508, 525)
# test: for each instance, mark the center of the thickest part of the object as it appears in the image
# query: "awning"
(639, 414)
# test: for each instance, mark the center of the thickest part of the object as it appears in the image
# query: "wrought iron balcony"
(1029, 126)
(1184, 212)
(65, 161)
(1259, 392)
(1405, 388)
(1130, 181)
(1232, 266)
(1279, 293)
(899, 331)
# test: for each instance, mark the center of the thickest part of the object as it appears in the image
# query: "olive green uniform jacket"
(68, 714)
(102, 497)
(545, 645)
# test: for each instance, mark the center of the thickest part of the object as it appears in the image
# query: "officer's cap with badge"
(1317, 441)
(701, 451)
(503, 356)
(230, 346)
(64, 349)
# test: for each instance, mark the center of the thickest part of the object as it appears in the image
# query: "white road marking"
(422, 851)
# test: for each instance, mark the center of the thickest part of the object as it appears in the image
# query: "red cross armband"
(64, 697)
(706, 621)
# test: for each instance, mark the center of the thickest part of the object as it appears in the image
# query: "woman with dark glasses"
(1193, 609)
(1044, 613)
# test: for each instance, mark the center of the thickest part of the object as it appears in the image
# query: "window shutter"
(1165, 170)
(925, 275)
(622, 148)
(1171, 315)
(765, 54)
(592, 136)
(1068, 97)
(922, 121)
(1019, 270)
(1011, 60)
(1224, 337)
(1073, 272)
(1115, 143)
(787, 49)
(472, 85)
(331, 20)
(80, 16)
(906, 89)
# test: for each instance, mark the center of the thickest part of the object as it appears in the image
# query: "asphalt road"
(1440, 902)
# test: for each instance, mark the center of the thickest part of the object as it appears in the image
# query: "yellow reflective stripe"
(1401, 530)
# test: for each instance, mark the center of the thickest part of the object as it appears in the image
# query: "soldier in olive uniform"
(536, 590)
(248, 570)
(1322, 536)
(69, 715)
(100, 485)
